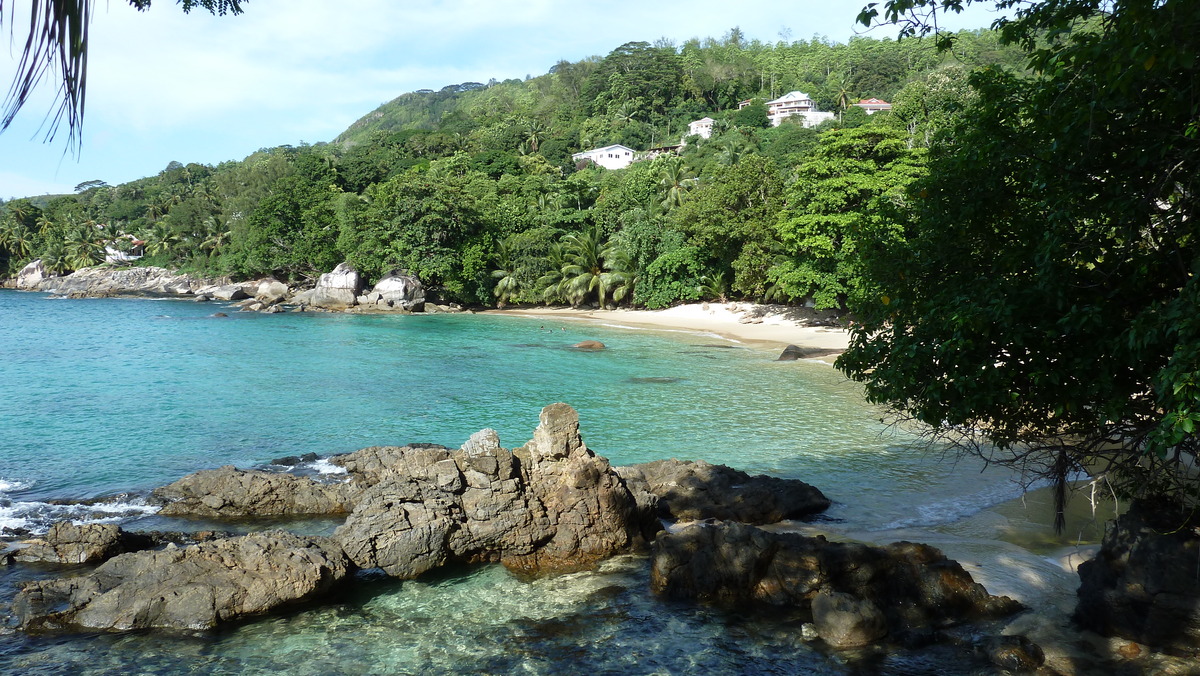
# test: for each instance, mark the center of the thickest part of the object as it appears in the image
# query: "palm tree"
(216, 236)
(83, 245)
(674, 183)
(552, 283)
(161, 239)
(507, 274)
(593, 267)
(16, 237)
(535, 133)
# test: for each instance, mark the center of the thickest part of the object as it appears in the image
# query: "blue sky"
(164, 85)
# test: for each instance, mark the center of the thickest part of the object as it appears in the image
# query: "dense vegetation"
(1039, 303)
(473, 188)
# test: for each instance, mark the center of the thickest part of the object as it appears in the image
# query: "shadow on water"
(654, 380)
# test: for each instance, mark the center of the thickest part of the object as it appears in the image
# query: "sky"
(166, 86)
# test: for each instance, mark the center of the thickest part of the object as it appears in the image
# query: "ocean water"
(102, 400)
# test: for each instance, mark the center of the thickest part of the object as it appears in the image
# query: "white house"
(793, 104)
(610, 157)
(124, 254)
(701, 127)
(873, 105)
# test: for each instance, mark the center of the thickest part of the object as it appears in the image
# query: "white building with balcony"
(793, 104)
(702, 127)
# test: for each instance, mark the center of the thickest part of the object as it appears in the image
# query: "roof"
(615, 146)
(703, 119)
(791, 96)
(873, 101)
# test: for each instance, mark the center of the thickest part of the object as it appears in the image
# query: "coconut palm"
(593, 268)
(535, 132)
(161, 239)
(674, 183)
(552, 283)
(16, 237)
(216, 236)
(507, 273)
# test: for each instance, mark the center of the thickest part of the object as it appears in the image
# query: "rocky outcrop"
(195, 587)
(1143, 583)
(397, 290)
(69, 542)
(229, 292)
(140, 281)
(271, 291)
(589, 345)
(795, 352)
(551, 505)
(231, 492)
(32, 275)
(693, 490)
(335, 290)
(914, 586)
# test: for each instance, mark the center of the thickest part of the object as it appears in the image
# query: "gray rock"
(32, 275)
(271, 291)
(914, 586)
(195, 587)
(138, 281)
(551, 505)
(229, 292)
(695, 490)
(1014, 654)
(69, 542)
(335, 290)
(230, 492)
(1142, 585)
(794, 352)
(846, 621)
(401, 290)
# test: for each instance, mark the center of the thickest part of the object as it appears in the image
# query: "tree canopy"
(1042, 308)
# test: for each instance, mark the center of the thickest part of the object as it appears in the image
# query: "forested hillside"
(473, 187)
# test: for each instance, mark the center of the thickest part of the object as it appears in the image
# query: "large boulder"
(335, 290)
(69, 542)
(694, 490)
(32, 275)
(229, 292)
(397, 290)
(231, 492)
(195, 587)
(1143, 583)
(914, 586)
(271, 291)
(551, 505)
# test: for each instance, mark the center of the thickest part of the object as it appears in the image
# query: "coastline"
(764, 326)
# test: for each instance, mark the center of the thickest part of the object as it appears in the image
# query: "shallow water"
(112, 397)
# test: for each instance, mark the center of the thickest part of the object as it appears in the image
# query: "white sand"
(767, 326)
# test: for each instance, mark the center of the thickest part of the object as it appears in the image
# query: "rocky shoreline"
(547, 507)
(340, 290)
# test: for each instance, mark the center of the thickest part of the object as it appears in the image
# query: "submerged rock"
(551, 505)
(589, 345)
(1143, 583)
(195, 587)
(914, 586)
(694, 490)
(231, 492)
(795, 352)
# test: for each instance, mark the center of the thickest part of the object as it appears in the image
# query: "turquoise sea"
(108, 398)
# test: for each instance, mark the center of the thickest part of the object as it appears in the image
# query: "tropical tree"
(506, 274)
(1042, 310)
(676, 180)
(594, 268)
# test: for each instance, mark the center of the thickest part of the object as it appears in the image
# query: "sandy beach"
(766, 326)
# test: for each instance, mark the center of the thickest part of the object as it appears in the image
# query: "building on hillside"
(610, 157)
(793, 104)
(657, 151)
(702, 127)
(125, 253)
(873, 105)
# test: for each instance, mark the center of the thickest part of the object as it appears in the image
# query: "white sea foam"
(37, 517)
(323, 466)
(10, 485)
